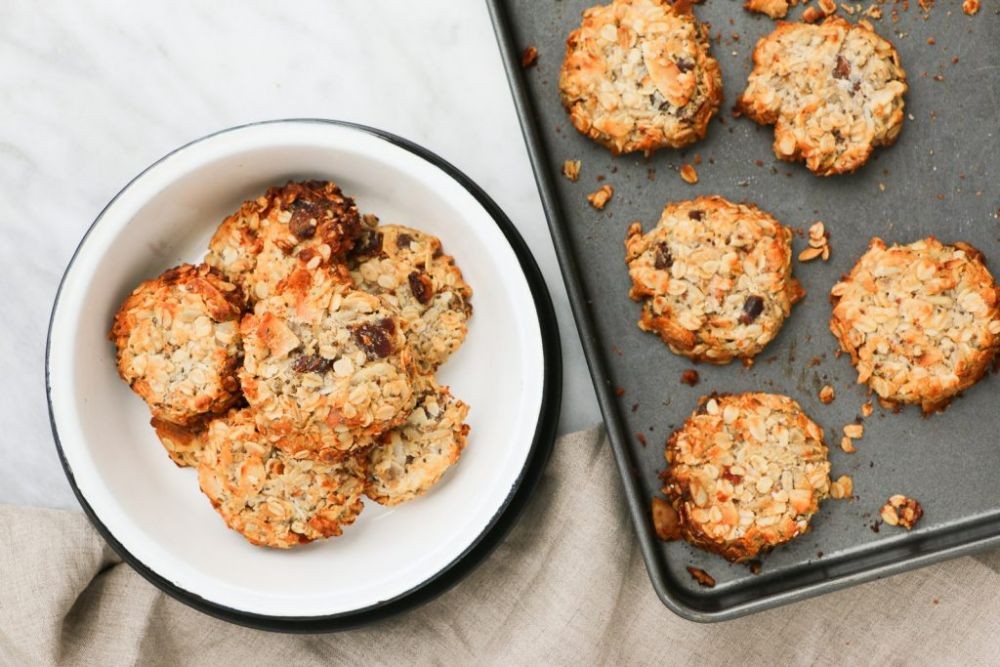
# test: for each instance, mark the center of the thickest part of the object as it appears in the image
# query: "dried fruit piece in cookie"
(184, 444)
(920, 321)
(408, 268)
(326, 367)
(411, 458)
(178, 343)
(714, 278)
(746, 473)
(833, 92)
(638, 76)
(271, 497)
(305, 225)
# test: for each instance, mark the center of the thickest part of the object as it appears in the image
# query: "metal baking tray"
(939, 179)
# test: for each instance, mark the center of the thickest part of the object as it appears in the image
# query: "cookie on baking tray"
(714, 278)
(301, 225)
(409, 269)
(833, 92)
(638, 76)
(411, 458)
(920, 321)
(272, 497)
(326, 366)
(178, 343)
(746, 473)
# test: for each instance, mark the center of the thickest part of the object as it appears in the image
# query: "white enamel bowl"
(153, 513)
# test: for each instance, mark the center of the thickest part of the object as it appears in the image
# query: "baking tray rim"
(608, 405)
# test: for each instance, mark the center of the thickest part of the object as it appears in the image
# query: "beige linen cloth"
(567, 586)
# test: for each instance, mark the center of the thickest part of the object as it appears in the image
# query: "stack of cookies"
(295, 366)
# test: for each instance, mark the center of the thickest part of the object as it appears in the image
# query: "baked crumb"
(901, 511)
(571, 169)
(970, 7)
(854, 431)
(600, 197)
(690, 377)
(702, 577)
(842, 488)
(867, 409)
(847, 445)
(826, 395)
(688, 174)
(666, 522)
(529, 57)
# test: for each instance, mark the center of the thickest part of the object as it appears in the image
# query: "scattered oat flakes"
(901, 511)
(854, 431)
(874, 12)
(666, 522)
(688, 174)
(702, 577)
(529, 57)
(809, 254)
(970, 7)
(847, 445)
(867, 409)
(776, 9)
(842, 488)
(571, 169)
(826, 395)
(819, 246)
(600, 197)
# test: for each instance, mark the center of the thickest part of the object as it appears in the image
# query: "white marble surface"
(92, 92)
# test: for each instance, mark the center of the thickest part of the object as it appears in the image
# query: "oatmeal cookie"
(714, 278)
(408, 268)
(411, 458)
(920, 321)
(638, 76)
(833, 92)
(271, 497)
(308, 225)
(178, 343)
(326, 367)
(184, 444)
(746, 473)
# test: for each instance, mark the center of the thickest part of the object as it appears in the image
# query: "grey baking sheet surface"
(939, 179)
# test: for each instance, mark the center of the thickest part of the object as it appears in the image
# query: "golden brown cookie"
(184, 444)
(833, 92)
(409, 269)
(714, 278)
(746, 473)
(638, 76)
(178, 343)
(920, 321)
(326, 367)
(411, 458)
(271, 497)
(307, 225)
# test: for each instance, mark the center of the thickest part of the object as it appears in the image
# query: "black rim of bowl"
(501, 522)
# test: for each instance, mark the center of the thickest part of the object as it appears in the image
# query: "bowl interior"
(154, 509)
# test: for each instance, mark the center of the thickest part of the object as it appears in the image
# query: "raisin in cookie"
(638, 76)
(920, 321)
(307, 225)
(714, 278)
(746, 473)
(411, 458)
(833, 92)
(326, 367)
(408, 268)
(178, 343)
(271, 497)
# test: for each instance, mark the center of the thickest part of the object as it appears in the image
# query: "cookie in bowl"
(714, 278)
(326, 367)
(638, 75)
(271, 497)
(921, 322)
(746, 473)
(833, 92)
(411, 458)
(178, 344)
(409, 269)
(302, 225)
